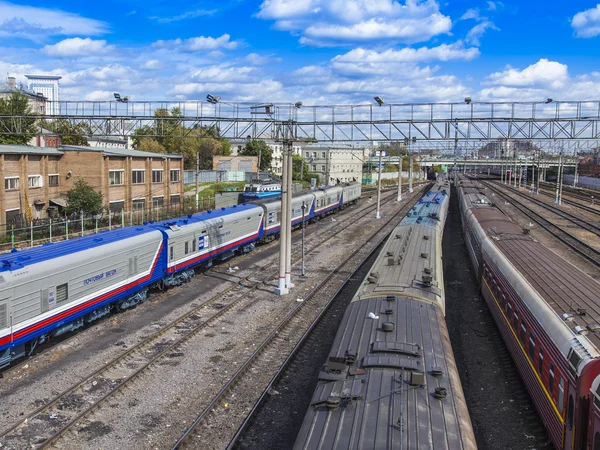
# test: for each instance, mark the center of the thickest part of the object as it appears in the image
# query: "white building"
(47, 85)
(277, 147)
(334, 164)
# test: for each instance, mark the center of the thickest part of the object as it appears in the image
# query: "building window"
(174, 176)
(314, 154)
(116, 206)
(53, 180)
(314, 168)
(308, 154)
(175, 200)
(115, 177)
(137, 177)
(158, 202)
(323, 155)
(138, 204)
(323, 169)
(11, 183)
(157, 176)
(34, 181)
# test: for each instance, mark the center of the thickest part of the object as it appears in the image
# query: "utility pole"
(399, 178)
(303, 213)
(281, 285)
(197, 181)
(377, 215)
(557, 199)
(289, 213)
(410, 173)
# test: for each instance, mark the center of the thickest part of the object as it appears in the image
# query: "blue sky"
(318, 51)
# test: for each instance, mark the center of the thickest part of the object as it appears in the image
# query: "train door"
(569, 426)
(5, 329)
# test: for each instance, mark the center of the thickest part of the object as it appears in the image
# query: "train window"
(541, 361)
(531, 346)
(574, 360)
(551, 379)
(509, 312)
(62, 293)
(194, 246)
(516, 321)
(503, 300)
(171, 253)
(561, 392)
(570, 409)
(187, 248)
(597, 441)
(523, 331)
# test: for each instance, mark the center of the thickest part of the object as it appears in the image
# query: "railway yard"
(220, 361)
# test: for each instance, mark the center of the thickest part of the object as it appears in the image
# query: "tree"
(297, 161)
(82, 197)
(71, 133)
(149, 144)
(16, 130)
(259, 148)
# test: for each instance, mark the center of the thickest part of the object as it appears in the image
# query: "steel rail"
(588, 252)
(270, 338)
(163, 352)
(588, 226)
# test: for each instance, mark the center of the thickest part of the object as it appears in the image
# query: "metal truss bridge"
(451, 122)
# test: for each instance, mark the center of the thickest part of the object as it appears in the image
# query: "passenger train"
(49, 290)
(390, 380)
(261, 191)
(548, 312)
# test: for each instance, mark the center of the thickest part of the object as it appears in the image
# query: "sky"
(316, 51)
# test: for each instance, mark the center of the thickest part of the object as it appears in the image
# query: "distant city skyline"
(316, 51)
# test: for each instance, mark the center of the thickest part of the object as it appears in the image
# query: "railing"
(24, 234)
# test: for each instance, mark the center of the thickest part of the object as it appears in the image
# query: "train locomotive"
(390, 380)
(57, 288)
(548, 312)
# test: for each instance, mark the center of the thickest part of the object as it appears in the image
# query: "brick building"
(36, 179)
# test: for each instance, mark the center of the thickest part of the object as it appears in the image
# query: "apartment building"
(334, 165)
(36, 179)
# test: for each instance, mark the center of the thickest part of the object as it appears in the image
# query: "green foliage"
(70, 133)
(394, 148)
(20, 130)
(169, 135)
(297, 169)
(259, 148)
(82, 197)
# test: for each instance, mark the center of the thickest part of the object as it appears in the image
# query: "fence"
(212, 176)
(43, 231)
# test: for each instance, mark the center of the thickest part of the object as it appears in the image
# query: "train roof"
(378, 388)
(413, 252)
(22, 258)
(564, 287)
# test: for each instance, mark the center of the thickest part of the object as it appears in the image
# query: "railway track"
(582, 248)
(579, 221)
(577, 198)
(386, 196)
(57, 416)
(273, 354)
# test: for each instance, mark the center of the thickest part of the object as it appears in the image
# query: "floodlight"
(548, 100)
(214, 99)
(117, 96)
(468, 100)
(379, 100)
(298, 105)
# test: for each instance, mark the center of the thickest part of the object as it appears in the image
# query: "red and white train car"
(548, 312)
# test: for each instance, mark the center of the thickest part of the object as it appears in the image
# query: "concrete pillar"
(281, 288)
(288, 240)
(399, 179)
(410, 173)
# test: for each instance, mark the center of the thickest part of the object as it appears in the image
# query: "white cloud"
(472, 13)
(444, 52)
(98, 96)
(544, 73)
(186, 15)
(151, 64)
(252, 91)
(38, 23)
(587, 23)
(475, 34)
(333, 22)
(257, 60)
(200, 43)
(78, 47)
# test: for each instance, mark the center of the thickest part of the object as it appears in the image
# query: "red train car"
(548, 312)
